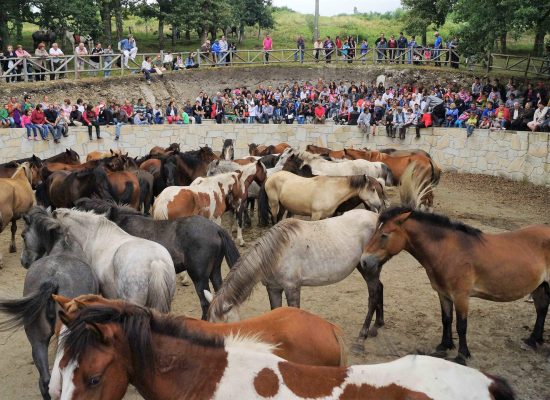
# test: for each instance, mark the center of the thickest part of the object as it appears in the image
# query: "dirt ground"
(412, 312)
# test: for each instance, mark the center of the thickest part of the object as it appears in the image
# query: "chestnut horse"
(300, 336)
(463, 262)
(16, 198)
(106, 349)
(158, 151)
(326, 152)
(98, 155)
(8, 169)
(263, 150)
(69, 156)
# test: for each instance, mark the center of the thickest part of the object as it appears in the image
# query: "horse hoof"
(379, 324)
(358, 348)
(13, 249)
(373, 332)
(532, 343)
(460, 359)
(184, 279)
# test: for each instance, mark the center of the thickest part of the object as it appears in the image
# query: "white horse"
(296, 253)
(320, 166)
(127, 267)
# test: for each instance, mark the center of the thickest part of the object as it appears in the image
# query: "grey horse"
(56, 265)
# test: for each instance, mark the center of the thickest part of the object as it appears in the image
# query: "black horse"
(228, 150)
(40, 36)
(195, 243)
(55, 266)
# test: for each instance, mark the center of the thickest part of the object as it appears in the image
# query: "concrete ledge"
(515, 155)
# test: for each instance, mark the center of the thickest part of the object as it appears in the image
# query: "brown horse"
(16, 198)
(183, 168)
(69, 156)
(125, 188)
(301, 337)
(262, 150)
(98, 155)
(8, 169)
(107, 348)
(158, 151)
(323, 151)
(462, 262)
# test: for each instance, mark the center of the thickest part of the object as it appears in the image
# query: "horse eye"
(93, 381)
(384, 236)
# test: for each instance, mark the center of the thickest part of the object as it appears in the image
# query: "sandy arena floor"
(412, 311)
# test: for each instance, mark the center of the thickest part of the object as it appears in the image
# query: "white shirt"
(146, 65)
(56, 52)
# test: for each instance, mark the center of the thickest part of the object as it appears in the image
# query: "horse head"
(207, 155)
(230, 313)
(73, 156)
(40, 234)
(170, 170)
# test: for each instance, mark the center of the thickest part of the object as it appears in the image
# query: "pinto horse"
(262, 150)
(108, 348)
(323, 151)
(463, 262)
(16, 198)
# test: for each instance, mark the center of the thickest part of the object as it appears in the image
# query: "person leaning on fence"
(41, 57)
(438, 44)
(300, 49)
(411, 45)
(364, 50)
(107, 61)
(402, 44)
(56, 62)
(8, 62)
(317, 49)
(23, 54)
(80, 51)
(95, 59)
(267, 46)
(129, 49)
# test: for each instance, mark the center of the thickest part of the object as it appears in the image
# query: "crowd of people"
(485, 104)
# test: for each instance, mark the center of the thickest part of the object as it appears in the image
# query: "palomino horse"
(300, 336)
(210, 197)
(183, 168)
(319, 197)
(127, 267)
(157, 151)
(16, 198)
(54, 263)
(320, 166)
(262, 150)
(462, 262)
(296, 253)
(98, 155)
(106, 349)
(228, 150)
(323, 151)
(8, 169)
(195, 244)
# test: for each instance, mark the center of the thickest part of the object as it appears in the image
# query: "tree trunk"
(4, 31)
(161, 31)
(241, 33)
(106, 20)
(174, 34)
(118, 19)
(424, 38)
(188, 34)
(203, 35)
(213, 32)
(538, 47)
(503, 42)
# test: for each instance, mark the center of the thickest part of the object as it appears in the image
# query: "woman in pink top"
(21, 53)
(26, 123)
(268, 46)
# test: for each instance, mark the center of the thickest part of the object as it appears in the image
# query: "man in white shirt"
(387, 95)
(56, 62)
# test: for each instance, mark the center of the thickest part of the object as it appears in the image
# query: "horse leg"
(380, 306)
(274, 209)
(13, 248)
(541, 300)
(200, 286)
(39, 337)
(239, 217)
(216, 278)
(275, 297)
(447, 322)
(293, 296)
(461, 306)
(373, 286)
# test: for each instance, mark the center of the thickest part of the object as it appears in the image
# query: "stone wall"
(515, 155)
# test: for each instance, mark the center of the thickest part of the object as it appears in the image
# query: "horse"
(323, 151)
(63, 188)
(69, 156)
(319, 197)
(55, 266)
(112, 163)
(45, 36)
(155, 167)
(320, 166)
(8, 169)
(296, 253)
(183, 168)
(463, 262)
(108, 348)
(16, 198)
(98, 155)
(75, 39)
(195, 244)
(158, 151)
(125, 188)
(127, 267)
(146, 182)
(262, 150)
(228, 150)
(210, 197)
(300, 336)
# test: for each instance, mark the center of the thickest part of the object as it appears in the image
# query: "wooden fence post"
(489, 61)
(528, 64)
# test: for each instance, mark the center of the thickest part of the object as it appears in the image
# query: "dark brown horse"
(262, 150)
(159, 151)
(463, 262)
(183, 168)
(125, 188)
(69, 156)
(323, 151)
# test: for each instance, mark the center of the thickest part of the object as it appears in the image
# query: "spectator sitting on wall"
(319, 114)
(190, 61)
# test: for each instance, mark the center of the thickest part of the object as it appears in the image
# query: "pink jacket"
(25, 120)
(268, 43)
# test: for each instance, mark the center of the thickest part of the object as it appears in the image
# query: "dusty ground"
(412, 309)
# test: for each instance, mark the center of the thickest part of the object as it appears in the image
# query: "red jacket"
(505, 113)
(37, 117)
(427, 119)
(319, 111)
(88, 116)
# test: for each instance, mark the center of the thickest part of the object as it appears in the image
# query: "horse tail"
(263, 207)
(29, 309)
(162, 286)
(259, 263)
(230, 250)
(126, 196)
(436, 172)
(144, 194)
(42, 196)
(500, 389)
(339, 335)
(414, 186)
(386, 172)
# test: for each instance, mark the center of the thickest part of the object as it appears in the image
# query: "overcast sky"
(333, 7)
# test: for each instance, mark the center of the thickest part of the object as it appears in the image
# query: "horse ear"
(208, 295)
(65, 318)
(103, 332)
(62, 301)
(67, 151)
(112, 152)
(403, 217)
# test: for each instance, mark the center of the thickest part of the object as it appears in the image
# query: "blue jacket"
(126, 45)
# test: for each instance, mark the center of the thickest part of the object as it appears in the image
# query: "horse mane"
(191, 158)
(138, 324)
(47, 227)
(306, 156)
(358, 181)
(227, 142)
(434, 219)
(257, 264)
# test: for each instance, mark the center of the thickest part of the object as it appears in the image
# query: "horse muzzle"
(370, 263)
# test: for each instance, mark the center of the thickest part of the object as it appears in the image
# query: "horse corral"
(410, 324)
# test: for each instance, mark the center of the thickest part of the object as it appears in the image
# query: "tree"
(420, 14)
(59, 15)
(13, 13)
(535, 15)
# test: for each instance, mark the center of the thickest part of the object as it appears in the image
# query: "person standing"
(329, 49)
(402, 44)
(80, 52)
(95, 58)
(224, 47)
(300, 49)
(438, 44)
(268, 46)
(129, 49)
(107, 61)
(317, 48)
(351, 51)
(42, 55)
(411, 45)
(56, 62)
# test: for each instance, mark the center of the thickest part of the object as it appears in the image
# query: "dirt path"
(411, 306)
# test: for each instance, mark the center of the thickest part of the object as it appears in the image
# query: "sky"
(333, 7)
